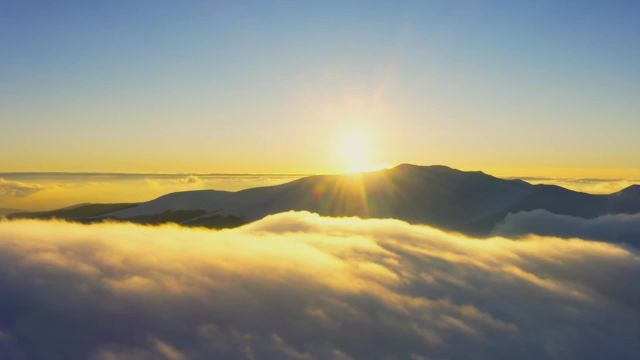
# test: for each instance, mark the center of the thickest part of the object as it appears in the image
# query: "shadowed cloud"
(619, 228)
(300, 286)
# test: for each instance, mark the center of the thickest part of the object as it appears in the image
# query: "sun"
(355, 151)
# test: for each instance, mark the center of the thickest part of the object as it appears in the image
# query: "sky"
(518, 87)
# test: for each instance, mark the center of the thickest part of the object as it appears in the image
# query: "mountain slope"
(74, 212)
(205, 200)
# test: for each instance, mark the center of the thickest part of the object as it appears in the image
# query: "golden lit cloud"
(300, 286)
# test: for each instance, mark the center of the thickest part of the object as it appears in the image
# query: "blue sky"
(237, 86)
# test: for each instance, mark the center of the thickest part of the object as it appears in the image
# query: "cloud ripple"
(300, 286)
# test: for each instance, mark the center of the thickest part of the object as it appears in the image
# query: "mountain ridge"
(470, 202)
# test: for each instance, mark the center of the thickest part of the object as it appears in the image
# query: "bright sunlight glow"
(355, 151)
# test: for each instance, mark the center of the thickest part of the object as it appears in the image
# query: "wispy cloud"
(10, 188)
(299, 286)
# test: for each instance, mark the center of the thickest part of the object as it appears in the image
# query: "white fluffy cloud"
(619, 228)
(299, 286)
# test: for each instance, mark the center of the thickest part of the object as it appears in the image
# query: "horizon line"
(146, 173)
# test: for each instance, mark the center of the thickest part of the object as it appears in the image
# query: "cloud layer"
(592, 186)
(299, 286)
(620, 228)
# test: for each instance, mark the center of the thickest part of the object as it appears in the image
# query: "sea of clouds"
(300, 286)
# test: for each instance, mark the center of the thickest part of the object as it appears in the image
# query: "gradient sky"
(272, 86)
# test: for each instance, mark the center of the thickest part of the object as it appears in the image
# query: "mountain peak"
(435, 169)
(407, 166)
(421, 166)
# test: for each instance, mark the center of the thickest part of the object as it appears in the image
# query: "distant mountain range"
(467, 202)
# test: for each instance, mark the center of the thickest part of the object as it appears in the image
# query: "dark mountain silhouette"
(463, 201)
